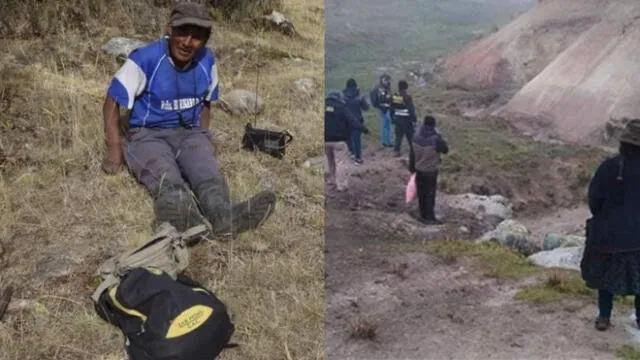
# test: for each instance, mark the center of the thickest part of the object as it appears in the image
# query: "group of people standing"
(344, 126)
(611, 259)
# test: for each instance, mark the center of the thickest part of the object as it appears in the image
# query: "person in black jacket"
(339, 125)
(403, 115)
(611, 258)
(424, 161)
(356, 104)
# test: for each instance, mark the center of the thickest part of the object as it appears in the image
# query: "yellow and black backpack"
(163, 318)
(162, 313)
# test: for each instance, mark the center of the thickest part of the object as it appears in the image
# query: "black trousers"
(426, 186)
(403, 128)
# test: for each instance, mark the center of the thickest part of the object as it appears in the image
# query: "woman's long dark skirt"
(617, 273)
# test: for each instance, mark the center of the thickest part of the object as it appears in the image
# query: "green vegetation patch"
(555, 285)
(496, 260)
(628, 353)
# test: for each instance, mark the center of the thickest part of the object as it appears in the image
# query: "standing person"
(356, 104)
(403, 115)
(381, 100)
(424, 161)
(611, 259)
(168, 86)
(339, 124)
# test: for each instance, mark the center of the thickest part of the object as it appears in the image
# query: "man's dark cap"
(190, 14)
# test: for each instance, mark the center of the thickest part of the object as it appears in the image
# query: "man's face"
(185, 41)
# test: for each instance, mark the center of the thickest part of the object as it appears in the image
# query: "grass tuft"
(555, 285)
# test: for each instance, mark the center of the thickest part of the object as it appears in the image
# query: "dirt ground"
(422, 307)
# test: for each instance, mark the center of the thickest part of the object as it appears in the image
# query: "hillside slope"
(572, 65)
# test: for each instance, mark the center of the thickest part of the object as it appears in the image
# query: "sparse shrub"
(557, 284)
(628, 353)
(363, 329)
(234, 9)
(401, 270)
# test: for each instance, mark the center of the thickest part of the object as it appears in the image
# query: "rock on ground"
(566, 258)
(306, 85)
(281, 23)
(241, 102)
(54, 266)
(512, 233)
(121, 46)
(554, 241)
(482, 206)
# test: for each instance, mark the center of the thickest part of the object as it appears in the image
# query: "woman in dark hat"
(611, 260)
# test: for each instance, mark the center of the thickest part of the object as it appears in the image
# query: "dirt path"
(421, 307)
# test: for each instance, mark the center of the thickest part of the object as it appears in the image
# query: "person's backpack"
(162, 313)
(166, 250)
(163, 318)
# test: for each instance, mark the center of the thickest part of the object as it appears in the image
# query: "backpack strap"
(166, 250)
(109, 281)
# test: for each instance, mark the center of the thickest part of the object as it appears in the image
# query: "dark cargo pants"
(403, 128)
(161, 157)
(426, 186)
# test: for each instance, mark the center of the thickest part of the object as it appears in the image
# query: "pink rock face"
(575, 64)
(594, 80)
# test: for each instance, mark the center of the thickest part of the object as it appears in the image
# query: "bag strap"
(109, 281)
(193, 232)
(166, 250)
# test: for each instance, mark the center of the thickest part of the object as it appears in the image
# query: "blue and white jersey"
(160, 95)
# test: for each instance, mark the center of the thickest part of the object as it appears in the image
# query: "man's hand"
(112, 160)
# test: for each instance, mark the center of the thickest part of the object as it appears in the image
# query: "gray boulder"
(305, 85)
(553, 241)
(242, 102)
(513, 234)
(565, 258)
(279, 22)
(121, 47)
(482, 206)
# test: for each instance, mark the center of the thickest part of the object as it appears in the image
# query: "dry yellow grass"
(55, 201)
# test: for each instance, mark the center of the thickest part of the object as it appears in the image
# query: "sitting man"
(168, 87)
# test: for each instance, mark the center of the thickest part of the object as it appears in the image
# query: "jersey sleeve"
(129, 81)
(213, 90)
(210, 66)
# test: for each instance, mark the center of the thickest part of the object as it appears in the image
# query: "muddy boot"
(176, 205)
(227, 218)
(602, 323)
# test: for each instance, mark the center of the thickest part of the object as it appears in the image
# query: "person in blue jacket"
(168, 86)
(381, 99)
